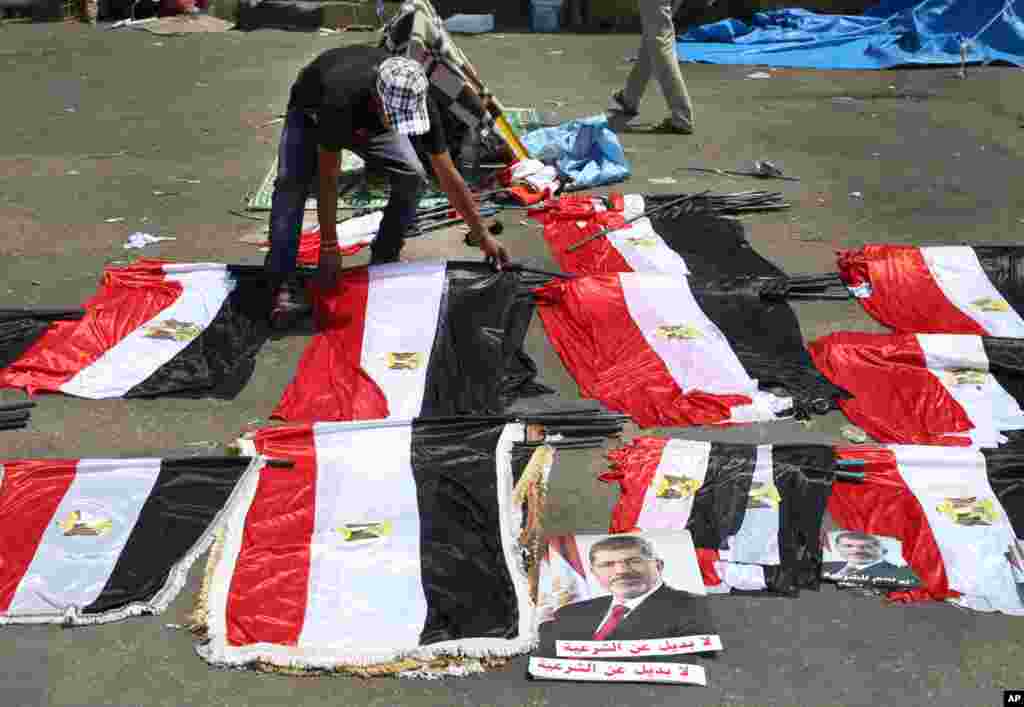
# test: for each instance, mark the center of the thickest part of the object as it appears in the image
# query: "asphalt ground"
(94, 122)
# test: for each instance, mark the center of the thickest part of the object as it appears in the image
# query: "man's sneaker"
(618, 106)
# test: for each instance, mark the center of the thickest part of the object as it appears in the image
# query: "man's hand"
(329, 267)
(494, 250)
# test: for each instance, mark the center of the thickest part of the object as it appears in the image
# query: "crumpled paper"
(141, 240)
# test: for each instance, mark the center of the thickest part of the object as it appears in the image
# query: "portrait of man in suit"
(862, 559)
(640, 605)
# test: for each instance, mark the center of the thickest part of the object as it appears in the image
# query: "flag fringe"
(176, 577)
(266, 656)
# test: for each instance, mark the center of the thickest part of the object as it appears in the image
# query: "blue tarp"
(586, 150)
(893, 33)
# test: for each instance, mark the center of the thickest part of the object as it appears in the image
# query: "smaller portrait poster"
(623, 608)
(854, 558)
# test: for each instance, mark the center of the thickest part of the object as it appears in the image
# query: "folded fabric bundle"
(943, 389)
(422, 339)
(958, 515)
(354, 234)
(387, 541)
(755, 512)
(153, 328)
(940, 290)
(648, 345)
(89, 541)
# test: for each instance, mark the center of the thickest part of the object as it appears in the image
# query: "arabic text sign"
(632, 649)
(612, 671)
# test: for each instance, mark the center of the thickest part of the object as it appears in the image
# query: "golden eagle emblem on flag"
(78, 523)
(172, 330)
(965, 376)
(676, 332)
(363, 532)
(991, 304)
(969, 511)
(763, 495)
(674, 487)
(404, 361)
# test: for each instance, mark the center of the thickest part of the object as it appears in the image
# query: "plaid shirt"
(417, 32)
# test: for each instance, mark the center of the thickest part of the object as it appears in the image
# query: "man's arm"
(327, 215)
(461, 198)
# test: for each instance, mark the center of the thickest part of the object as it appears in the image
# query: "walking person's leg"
(636, 82)
(660, 42)
(296, 169)
(395, 156)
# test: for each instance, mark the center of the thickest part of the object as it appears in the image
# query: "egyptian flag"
(421, 339)
(705, 247)
(958, 517)
(153, 328)
(940, 290)
(944, 389)
(562, 576)
(754, 511)
(386, 540)
(94, 540)
(647, 345)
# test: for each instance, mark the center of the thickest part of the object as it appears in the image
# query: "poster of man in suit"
(638, 587)
(852, 557)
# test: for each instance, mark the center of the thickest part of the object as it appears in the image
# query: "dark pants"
(390, 153)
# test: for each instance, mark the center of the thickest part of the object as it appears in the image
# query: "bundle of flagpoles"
(575, 430)
(14, 416)
(709, 203)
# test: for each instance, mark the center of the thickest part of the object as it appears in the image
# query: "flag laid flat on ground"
(957, 517)
(940, 290)
(646, 345)
(386, 540)
(153, 328)
(94, 540)
(755, 512)
(704, 247)
(423, 339)
(943, 389)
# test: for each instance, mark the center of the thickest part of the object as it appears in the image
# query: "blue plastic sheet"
(585, 150)
(893, 33)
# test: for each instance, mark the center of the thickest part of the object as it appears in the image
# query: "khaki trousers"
(658, 57)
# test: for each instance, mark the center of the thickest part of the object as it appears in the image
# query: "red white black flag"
(754, 511)
(704, 247)
(958, 515)
(422, 339)
(386, 540)
(942, 389)
(647, 345)
(153, 328)
(94, 540)
(939, 290)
